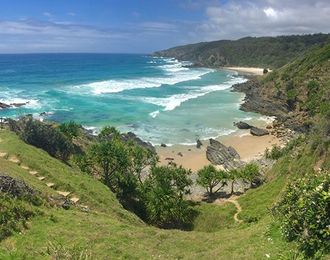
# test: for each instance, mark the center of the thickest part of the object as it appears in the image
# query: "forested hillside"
(268, 52)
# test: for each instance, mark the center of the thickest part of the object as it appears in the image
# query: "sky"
(144, 26)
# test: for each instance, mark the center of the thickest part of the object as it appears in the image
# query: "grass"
(108, 231)
(212, 218)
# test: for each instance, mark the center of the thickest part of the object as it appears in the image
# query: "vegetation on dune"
(304, 213)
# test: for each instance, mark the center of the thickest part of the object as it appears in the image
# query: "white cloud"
(51, 36)
(270, 12)
(237, 19)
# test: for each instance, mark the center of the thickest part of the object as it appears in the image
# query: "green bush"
(48, 138)
(304, 214)
(275, 153)
(13, 215)
(70, 129)
(162, 194)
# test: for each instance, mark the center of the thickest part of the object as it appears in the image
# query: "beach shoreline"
(246, 70)
(249, 148)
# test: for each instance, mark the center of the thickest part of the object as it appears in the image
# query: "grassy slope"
(110, 231)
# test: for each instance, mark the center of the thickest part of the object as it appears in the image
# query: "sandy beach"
(248, 146)
(247, 70)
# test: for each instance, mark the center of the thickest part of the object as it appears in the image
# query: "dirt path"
(239, 209)
(236, 204)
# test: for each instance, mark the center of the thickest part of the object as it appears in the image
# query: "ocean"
(162, 100)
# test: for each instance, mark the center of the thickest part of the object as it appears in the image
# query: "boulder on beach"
(163, 145)
(198, 144)
(219, 154)
(258, 131)
(242, 125)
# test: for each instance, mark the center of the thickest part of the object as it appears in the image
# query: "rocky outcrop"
(268, 101)
(219, 154)
(259, 100)
(15, 188)
(242, 125)
(258, 131)
(4, 106)
(132, 137)
(198, 144)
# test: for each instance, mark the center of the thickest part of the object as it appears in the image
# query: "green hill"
(298, 94)
(265, 52)
(106, 230)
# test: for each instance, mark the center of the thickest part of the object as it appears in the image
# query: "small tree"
(113, 159)
(209, 177)
(249, 172)
(233, 176)
(163, 193)
(69, 129)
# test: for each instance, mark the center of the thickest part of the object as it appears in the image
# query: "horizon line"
(38, 53)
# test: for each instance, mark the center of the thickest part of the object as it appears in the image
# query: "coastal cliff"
(296, 93)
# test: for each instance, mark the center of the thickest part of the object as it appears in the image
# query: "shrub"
(275, 153)
(69, 129)
(47, 138)
(13, 215)
(249, 172)
(304, 213)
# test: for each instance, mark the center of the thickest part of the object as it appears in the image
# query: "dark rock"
(256, 182)
(163, 145)
(219, 154)
(180, 154)
(3, 105)
(242, 125)
(132, 137)
(198, 144)
(19, 104)
(16, 188)
(169, 159)
(66, 204)
(258, 131)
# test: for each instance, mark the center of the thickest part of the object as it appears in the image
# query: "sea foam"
(174, 101)
(173, 70)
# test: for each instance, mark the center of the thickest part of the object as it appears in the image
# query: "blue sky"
(143, 26)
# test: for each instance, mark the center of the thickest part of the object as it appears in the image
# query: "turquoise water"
(159, 99)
